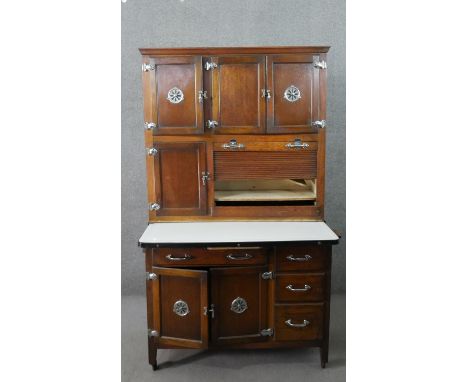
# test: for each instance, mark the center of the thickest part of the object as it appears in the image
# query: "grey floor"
(231, 365)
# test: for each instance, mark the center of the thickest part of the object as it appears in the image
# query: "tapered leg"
(152, 353)
(324, 356)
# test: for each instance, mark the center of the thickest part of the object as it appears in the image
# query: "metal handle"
(266, 93)
(321, 124)
(211, 124)
(297, 144)
(202, 95)
(206, 310)
(205, 177)
(233, 145)
(303, 325)
(305, 258)
(172, 258)
(210, 65)
(292, 289)
(246, 256)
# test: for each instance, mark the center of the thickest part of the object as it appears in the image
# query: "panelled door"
(177, 179)
(294, 82)
(238, 92)
(180, 301)
(176, 99)
(239, 298)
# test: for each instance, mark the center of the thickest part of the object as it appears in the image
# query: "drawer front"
(298, 322)
(239, 144)
(300, 287)
(187, 257)
(304, 258)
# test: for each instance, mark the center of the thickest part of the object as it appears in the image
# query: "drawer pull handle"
(234, 257)
(172, 258)
(297, 144)
(305, 258)
(292, 289)
(290, 324)
(233, 145)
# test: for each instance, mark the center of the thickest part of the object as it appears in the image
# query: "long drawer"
(300, 287)
(209, 256)
(303, 258)
(298, 322)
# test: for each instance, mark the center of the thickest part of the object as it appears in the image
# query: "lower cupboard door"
(239, 296)
(180, 298)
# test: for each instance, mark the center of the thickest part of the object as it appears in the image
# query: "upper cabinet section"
(296, 103)
(234, 90)
(173, 95)
(237, 85)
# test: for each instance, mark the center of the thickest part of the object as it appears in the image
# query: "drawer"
(187, 257)
(300, 287)
(303, 258)
(298, 322)
(240, 144)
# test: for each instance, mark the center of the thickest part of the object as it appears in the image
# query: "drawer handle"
(233, 145)
(234, 257)
(290, 324)
(172, 258)
(297, 144)
(305, 258)
(292, 289)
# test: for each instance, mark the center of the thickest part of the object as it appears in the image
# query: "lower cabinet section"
(239, 296)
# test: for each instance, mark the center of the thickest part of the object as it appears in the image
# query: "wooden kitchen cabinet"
(237, 253)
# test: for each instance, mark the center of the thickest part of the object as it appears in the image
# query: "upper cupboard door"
(238, 106)
(294, 82)
(176, 85)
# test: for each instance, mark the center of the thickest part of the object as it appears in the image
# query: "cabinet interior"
(265, 192)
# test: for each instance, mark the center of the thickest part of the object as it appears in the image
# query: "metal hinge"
(150, 125)
(153, 333)
(152, 151)
(321, 124)
(147, 67)
(320, 64)
(267, 332)
(210, 65)
(211, 124)
(154, 207)
(151, 276)
(205, 177)
(202, 95)
(268, 275)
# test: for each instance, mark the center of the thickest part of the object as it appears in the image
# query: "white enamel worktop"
(238, 232)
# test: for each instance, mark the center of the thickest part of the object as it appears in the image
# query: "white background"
(406, 191)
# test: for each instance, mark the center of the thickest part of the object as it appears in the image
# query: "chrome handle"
(234, 257)
(233, 145)
(266, 93)
(206, 310)
(202, 95)
(205, 177)
(303, 325)
(297, 144)
(210, 65)
(211, 124)
(292, 289)
(305, 258)
(172, 258)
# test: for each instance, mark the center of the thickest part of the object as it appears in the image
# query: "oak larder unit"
(237, 253)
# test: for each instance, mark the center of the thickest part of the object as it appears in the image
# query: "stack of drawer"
(301, 292)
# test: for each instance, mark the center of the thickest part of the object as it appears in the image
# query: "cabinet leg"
(323, 356)
(152, 353)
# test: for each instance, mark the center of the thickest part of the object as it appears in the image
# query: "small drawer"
(298, 322)
(186, 257)
(241, 144)
(304, 258)
(300, 287)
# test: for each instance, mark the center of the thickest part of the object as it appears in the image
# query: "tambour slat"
(235, 165)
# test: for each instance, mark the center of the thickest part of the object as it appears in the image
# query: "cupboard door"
(238, 106)
(295, 87)
(176, 84)
(180, 297)
(239, 296)
(176, 185)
